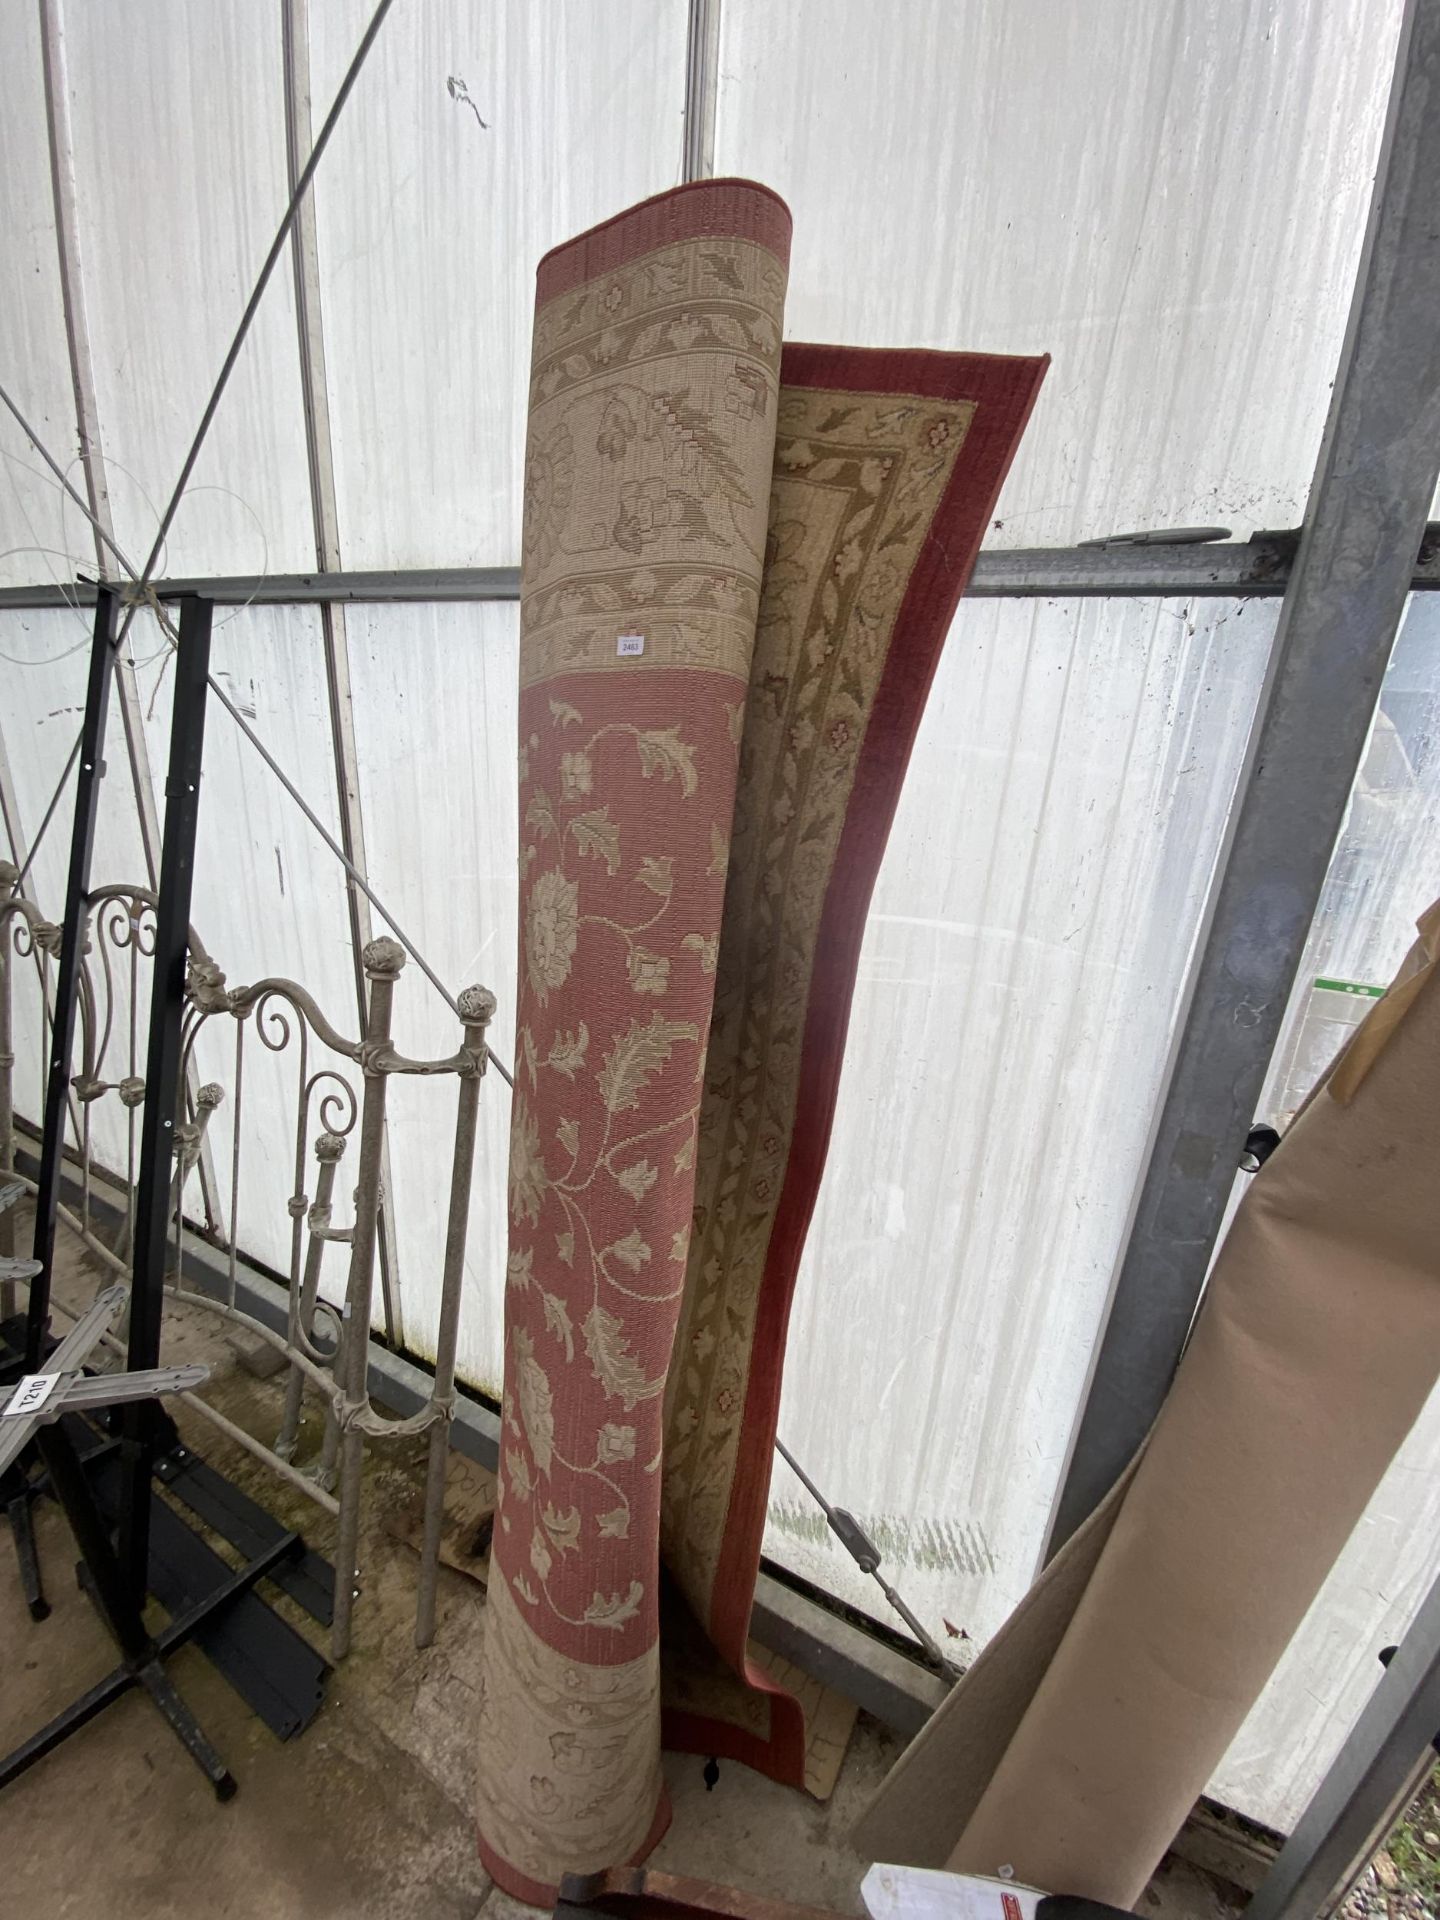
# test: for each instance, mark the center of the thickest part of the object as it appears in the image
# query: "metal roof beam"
(1239, 569)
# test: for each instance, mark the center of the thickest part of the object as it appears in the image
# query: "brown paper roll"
(1078, 1743)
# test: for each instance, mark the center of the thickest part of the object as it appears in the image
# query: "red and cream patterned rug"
(738, 571)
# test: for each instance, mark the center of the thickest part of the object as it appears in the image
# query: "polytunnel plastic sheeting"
(179, 157)
(268, 899)
(436, 702)
(1384, 872)
(430, 228)
(33, 363)
(1385, 868)
(1169, 199)
(1181, 234)
(1331, 1667)
(1022, 966)
(44, 663)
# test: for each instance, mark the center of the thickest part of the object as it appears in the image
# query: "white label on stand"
(31, 1394)
(629, 645)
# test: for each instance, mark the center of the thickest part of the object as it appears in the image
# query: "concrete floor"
(368, 1813)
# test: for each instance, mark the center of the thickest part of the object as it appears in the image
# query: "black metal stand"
(117, 1582)
(27, 1559)
(163, 1077)
(141, 1656)
(88, 775)
(143, 1661)
(17, 1487)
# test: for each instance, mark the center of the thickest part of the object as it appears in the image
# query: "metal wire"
(866, 1555)
(59, 472)
(277, 247)
(142, 593)
(19, 881)
(140, 588)
(354, 872)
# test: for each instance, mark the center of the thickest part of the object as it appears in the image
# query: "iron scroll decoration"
(325, 1346)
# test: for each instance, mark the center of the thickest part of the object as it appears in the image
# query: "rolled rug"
(664, 1168)
(653, 395)
(887, 466)
(1076, 1746)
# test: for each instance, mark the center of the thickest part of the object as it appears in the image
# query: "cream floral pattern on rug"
(714, 573)
(653, 408)
(858, 478)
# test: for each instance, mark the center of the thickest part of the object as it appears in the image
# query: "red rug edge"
(781, 1756)
(1005, 389)
(725, 208)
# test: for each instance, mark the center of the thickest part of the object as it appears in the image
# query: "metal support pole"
(27, 1558)
(323, 1473)
(702, 76)
(328, 1150)
(1372, 491)
(477, 1009)
(7, 1114)
(315, 394)
(92, 459)
(163, 1073)
(1384, 1759)
(67, 1477)
(72, 279)
(89, 773)
(10, 819)
(383, 961)
(109, 1585)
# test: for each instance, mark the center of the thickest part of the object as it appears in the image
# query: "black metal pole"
(88, 776)
(162, 1075)
(73, 1490)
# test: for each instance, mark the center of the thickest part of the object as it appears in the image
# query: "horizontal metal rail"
(1230, 569)
(299, 589)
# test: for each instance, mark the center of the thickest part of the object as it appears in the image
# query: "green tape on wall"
(1349, 986)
